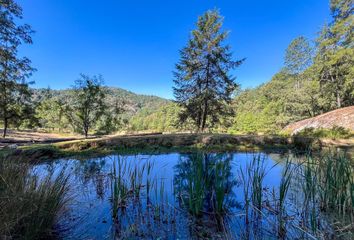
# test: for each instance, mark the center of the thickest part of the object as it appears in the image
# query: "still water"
(184, 196)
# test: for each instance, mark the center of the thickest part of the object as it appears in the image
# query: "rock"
(343, 117)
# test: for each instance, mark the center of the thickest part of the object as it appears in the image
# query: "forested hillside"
(52, 113)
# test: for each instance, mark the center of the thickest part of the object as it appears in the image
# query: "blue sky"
(135, 44)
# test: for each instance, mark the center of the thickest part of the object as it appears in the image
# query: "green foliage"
(88, 104)
(335, 55)
(333, 133)
(121, 107)
(298, 56)
(165, 119)
(270, 107)
(51, 112)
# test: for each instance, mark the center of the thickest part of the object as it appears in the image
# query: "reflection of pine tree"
(204, 182)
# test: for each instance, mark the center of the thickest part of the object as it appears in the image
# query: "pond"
(199, 195)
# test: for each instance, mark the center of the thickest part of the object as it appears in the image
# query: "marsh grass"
(336, 183)
(29, 204)
(140, 205)
(282, 196)
(324, 196)
(252, 178)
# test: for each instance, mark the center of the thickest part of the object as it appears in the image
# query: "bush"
(335, 132)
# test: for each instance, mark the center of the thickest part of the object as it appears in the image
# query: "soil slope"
(343, 117)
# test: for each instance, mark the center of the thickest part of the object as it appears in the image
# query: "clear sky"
(135, 44)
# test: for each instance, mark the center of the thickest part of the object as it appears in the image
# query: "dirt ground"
(29, 137)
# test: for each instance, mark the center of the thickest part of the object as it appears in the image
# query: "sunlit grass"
(29, 204)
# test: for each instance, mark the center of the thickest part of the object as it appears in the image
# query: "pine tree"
(14, 70)
(203, 83)
(335, 58)
(298, 58)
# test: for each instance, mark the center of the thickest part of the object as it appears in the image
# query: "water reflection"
(204, 186)
(197, 195)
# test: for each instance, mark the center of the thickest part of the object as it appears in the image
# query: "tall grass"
(309, 185)
(119, 188)
(284, 186)
(336, 183)
(220, 186)
(326, 189)
(252, 178)
(30, 205)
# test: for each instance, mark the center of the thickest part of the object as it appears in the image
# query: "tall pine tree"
(203, 83)
(335, 57)
(14, 70)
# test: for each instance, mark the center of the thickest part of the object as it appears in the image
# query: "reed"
(119, 188)
(257, 173)
(30, 205)
(336, 183)
(309, 186)
(281, 201)
(246, 184)
(252, 178)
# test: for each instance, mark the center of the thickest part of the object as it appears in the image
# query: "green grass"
(332, 133)
(29, 206)
(283, 192)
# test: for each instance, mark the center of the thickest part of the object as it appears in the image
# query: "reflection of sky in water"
(90, 184)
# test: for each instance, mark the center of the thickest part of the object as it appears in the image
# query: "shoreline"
(155, 143)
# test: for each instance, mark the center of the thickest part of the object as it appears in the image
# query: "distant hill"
(343, 117)
(133, 103)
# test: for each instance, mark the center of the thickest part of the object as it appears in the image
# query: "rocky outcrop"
(343, 117)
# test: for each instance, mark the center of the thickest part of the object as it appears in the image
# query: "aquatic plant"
(119, 188)
(336, 183)
(29, 204)
(252, 178)
(309, 187)
(246, 184)
(257, 173)
(281, 201)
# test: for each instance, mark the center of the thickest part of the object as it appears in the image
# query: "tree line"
(318, 76)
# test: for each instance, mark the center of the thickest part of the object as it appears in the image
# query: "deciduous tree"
(88, 103)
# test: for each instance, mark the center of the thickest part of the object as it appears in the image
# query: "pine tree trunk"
(5, 127)
(339, 101)
(204, 115)
(205, 110)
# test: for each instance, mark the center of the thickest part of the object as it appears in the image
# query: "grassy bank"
(166, 143)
